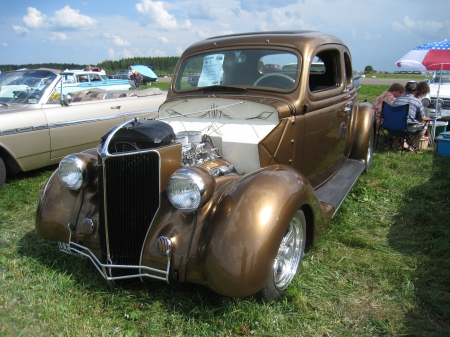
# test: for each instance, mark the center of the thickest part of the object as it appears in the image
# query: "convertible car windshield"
(245, 68)
(24, 87)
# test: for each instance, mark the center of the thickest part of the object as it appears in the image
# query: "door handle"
(116, 107)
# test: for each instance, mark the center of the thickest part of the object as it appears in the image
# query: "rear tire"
(289, 256)
(2, 173)
(369, 155)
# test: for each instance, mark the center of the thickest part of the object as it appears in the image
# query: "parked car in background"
(78, 80)
(440, 82)
(267, 68)
(147, 72)
(121, 74)
(233, 182)
(38, 126)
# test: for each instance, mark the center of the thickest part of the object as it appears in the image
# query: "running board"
(335, 190)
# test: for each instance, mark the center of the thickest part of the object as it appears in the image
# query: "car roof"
(299, 39)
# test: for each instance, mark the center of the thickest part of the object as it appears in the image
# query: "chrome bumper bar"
(76, 249)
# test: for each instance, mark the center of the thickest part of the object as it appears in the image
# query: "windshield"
(240, 68)
(444, 76)
(24, 86)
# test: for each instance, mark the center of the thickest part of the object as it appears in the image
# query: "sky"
(377, 32)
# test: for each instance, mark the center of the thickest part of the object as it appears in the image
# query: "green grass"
(382, 268)
(161, 85)
(371, 92)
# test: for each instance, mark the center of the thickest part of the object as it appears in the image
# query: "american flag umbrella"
(429, 56)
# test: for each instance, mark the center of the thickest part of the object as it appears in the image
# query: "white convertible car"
(38, 127)
(439, 82)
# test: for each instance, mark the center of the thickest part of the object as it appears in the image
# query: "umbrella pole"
(436, 105)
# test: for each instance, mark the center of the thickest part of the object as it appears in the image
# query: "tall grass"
(382, 268)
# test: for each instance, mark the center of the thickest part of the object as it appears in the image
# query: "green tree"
(368, 69)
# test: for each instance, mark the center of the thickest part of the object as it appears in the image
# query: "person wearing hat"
(416, 115)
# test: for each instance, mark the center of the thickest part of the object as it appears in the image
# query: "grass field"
(382, 268)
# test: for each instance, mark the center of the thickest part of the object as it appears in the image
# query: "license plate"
(65, 248)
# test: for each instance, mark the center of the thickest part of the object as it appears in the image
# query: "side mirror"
(66, 100)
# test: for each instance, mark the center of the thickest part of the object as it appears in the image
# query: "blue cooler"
(443, 148)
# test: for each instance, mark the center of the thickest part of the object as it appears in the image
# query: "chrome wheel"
(287, 260)
(289, 255)
(369, 152)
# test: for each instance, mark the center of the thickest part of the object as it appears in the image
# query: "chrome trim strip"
(75, 122)
(140, 112)
(101, 267)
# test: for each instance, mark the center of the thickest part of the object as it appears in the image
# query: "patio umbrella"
(429, 56)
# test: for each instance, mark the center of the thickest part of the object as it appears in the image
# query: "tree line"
(163, 65)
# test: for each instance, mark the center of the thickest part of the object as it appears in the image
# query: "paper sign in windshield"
(211, 71)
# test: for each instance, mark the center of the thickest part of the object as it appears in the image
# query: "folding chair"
(393, 128)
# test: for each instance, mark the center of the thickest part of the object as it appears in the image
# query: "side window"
(54, 97)
(348, 69)
(325, 71)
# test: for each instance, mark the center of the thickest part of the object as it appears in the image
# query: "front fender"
(58, 207)
(363, 132)
(238, 245)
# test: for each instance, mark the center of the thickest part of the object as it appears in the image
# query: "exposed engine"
(196, 149)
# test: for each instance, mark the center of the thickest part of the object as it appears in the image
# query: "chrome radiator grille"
(131, 193)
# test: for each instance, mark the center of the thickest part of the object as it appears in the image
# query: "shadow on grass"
(30, 174)
(196, 300)
(421, 230)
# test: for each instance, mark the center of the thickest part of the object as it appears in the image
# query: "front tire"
(289, 256)
(2, 173)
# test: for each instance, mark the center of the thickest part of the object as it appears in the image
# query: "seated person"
(422, 90)
(416, 117)
(396, 90)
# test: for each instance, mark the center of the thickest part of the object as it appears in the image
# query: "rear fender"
(237, 247)
(363, 132)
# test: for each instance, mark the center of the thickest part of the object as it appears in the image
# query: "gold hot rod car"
(235, 179)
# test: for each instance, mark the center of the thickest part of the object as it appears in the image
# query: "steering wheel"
(276, 84)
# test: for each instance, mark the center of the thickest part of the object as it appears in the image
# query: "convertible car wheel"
(289, 256)
(2, 173)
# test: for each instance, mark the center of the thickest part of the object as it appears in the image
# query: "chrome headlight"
(426, 102)
(190, 188)
(75, 171)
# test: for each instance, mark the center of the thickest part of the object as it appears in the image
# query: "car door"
(327, 117)
(80, 125)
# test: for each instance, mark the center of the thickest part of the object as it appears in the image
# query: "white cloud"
(71, 18)
(157, 52)
(279, 19)
(117, 41)
(418, 26)
(55, 36)
(154, 11)
(111, 53)
(179, 50)
(162, 39)
(4, 44)
(124, 54)
(264, 5)
(20, 30)
(202, 10)
(66, 17)
(34, 18)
